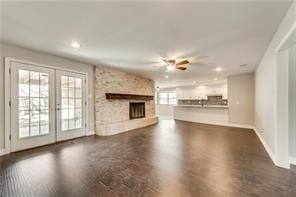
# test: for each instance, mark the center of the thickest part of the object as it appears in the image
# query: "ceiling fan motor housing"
(171, 61)
(182, 65)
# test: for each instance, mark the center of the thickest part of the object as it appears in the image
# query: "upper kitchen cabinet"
(201, 91)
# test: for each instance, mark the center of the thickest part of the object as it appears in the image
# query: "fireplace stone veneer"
(112, 116)
(124, 126)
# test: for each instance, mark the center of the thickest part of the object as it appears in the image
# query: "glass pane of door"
(71, 103)
(33, 103)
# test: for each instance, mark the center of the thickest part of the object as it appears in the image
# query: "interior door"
(32, 106)
(71, 104)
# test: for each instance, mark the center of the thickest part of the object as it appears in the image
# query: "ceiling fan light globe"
(170, 68)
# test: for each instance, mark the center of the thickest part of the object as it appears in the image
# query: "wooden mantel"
(128, 96)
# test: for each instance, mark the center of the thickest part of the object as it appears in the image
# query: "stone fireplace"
(123, 101)
(136, 110)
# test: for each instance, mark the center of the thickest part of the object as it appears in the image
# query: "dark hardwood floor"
(173, 158)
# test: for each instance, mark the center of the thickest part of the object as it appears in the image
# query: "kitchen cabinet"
(201, 92)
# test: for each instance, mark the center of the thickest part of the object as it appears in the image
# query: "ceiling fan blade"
(181, 67)
(159, 65)
(165, 61)
(182, 63)
(169, 61)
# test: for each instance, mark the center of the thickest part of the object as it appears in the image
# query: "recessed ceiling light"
(75, 45)
(215, 79)
(194, 82)
(166, 76)
(218, 69)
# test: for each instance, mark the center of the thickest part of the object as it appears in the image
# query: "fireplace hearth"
(137, 110)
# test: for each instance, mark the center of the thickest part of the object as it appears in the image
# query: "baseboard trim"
(91, 133)
(3, 152)
(268, 150)
(292, 160)
(240, 126)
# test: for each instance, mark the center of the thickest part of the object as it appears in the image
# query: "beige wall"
(164, 110)
(43, 58)
(267, 80)
(109, 80)
(241, 94)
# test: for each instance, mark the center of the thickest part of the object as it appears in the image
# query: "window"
(172, 97)
(163, 98)
(167, 98)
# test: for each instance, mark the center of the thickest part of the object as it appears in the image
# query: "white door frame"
(281, 103)
(7, 96)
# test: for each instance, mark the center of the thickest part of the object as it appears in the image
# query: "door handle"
(58, 107)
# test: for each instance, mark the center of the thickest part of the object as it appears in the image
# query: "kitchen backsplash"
(212, 100)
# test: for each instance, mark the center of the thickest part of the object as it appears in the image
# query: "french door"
(70, 105)
(32, 106)
(47, 105)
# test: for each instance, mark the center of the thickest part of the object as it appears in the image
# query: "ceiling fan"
(172, 64)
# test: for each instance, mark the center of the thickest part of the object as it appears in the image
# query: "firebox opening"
(137, 110)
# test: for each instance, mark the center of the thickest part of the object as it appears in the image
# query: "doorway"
(47, 105)
(285, 137)
(292, 104)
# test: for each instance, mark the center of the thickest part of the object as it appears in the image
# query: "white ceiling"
(136, 36)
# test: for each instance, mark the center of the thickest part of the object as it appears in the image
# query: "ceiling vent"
(243, 65)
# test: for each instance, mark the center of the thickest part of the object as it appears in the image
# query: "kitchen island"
(208, 114)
